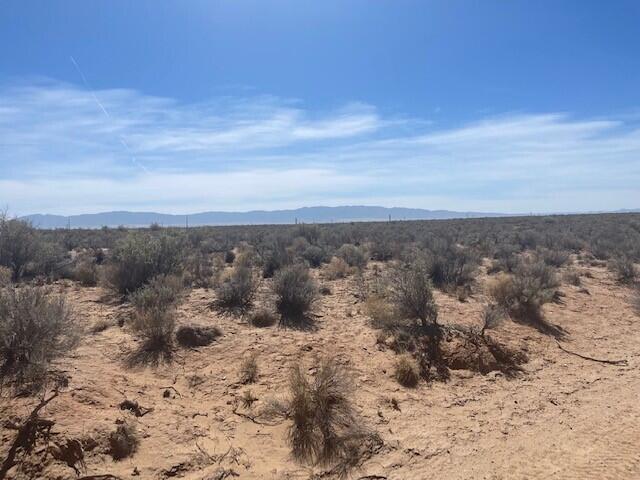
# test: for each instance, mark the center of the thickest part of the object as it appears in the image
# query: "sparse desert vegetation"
(372, 350)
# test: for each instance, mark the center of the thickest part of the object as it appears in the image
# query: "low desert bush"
(263, 318)
(200, 271)
(326, 429)
(20, 245)
(522, 294)
(5, 277)
(295, 293)
(406, 371)
(354, 256)
(249, 369)
(624, 269)
(451, 267)
(35, 329)
(572, 277)
(337, 268)
(237, 291)
(229, 257)
(275, 258)
(314, 255)
(138, 258)
(155, 311)
(553, 258)
(86, 272)
(123, 442)
(412, 294)
(191, 336)
(382, 314)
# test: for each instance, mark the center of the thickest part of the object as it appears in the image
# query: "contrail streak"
(106, 113)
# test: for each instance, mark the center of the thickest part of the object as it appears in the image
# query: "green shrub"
(295, 293)
(86, 272)
(354, 256)
(452, 266)
(522, 294)
(412, 294)
(314, 255)
(155, 311)
(35, 329)
(20, 246)
(237, 291)
(624, 269)
(139, 257)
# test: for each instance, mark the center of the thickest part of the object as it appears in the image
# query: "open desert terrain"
(570, 411)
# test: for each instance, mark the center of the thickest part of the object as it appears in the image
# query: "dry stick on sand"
(26, 434)
(609, 362)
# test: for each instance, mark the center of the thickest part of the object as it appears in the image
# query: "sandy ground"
(563, 418)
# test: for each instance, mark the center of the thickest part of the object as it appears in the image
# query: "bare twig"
(599, 360)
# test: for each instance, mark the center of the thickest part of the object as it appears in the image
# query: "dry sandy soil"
(564, 417)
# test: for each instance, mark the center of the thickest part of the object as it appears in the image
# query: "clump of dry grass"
(263, 318)
(326, 429)
(123, 442)
(407, 371)
(196, 336)
(381, 313)
(249, 369)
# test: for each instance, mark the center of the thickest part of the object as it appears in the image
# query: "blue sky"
(511, 106)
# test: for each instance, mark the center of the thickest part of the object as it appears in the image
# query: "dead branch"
(599, 360)
(25, 439)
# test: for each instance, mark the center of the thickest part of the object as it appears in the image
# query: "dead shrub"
(295, 293)
(492, 316)
(326, 429)
(412, 294)
(337, 268)
(406, 371)
(249, 369)
(237, 292)
(192, 336)
(123, 442)
(263, 318)
(35, 329)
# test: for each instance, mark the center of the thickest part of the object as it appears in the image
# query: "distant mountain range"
(255, 217)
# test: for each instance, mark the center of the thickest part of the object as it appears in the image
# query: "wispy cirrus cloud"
(60, 153)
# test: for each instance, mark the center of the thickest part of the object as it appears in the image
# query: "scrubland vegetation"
(271, 277)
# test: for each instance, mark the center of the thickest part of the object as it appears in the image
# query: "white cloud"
(61, 153)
